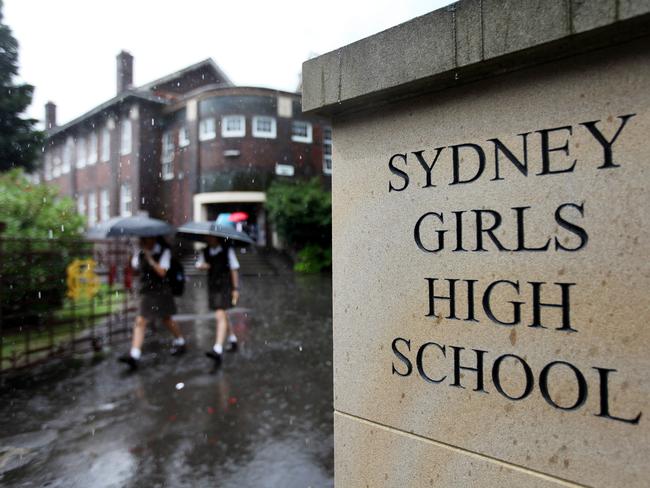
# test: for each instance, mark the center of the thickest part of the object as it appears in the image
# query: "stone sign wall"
(491, 273)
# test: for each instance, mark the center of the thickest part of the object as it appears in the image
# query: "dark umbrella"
(137, 226)
(198, 231)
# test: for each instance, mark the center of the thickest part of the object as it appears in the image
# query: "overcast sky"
(68, 47)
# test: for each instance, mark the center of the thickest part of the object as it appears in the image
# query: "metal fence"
(62, 297)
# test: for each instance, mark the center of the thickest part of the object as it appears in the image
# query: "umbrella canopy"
(224, 219)
(238, 217)
(137, 226)
(198, 231)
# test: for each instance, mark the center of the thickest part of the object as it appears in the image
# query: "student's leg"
(173, 327)
(133, 356)
(139, 329)
(178, 344)
(232, 338)
(222, 327)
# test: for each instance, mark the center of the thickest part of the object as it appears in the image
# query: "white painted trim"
(306, 139)
(265, 135)
(233, 133)
(203, 134)
(200, 200)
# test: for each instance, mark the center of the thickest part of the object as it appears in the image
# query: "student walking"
(220, 260)
(155, 298)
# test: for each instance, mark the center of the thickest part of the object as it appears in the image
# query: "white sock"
(232, 338)
(179, 341)
(218, 348)
(135, 353)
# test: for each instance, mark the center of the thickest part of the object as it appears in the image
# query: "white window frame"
(226, 132)
(47, 167)
(126, 137)
(298, 138)
(271, 134)
(68, 150)
(205, 131)
(327, 158)
(56, 167)
(183, 136)
(81, 204)
(81, 152)
(106, 145)
(91, 149)
(104, 205)
(92, 208)
(126, 200)
(167, 156)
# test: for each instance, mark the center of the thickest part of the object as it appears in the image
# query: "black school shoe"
(129, 360)
(214, 356)
(231, 346)
(177, 350)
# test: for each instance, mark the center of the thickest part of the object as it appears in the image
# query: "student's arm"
(200, 262)
(234, 274)
(163, 265)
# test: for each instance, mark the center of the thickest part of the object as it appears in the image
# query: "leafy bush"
(313, 259)
(41, 237)
(302, 215)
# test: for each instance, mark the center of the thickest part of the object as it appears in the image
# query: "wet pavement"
(263, 420)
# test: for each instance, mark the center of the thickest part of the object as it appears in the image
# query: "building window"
(183, 137)
(56, 167)
(167, 156)
(106, 145)
(327, 151)
(92, 208)
(47, 167)
(207, 129)
(67, 156)
(92, 148)
(81, 205)
(125, 200)
(264, 127)
(104, 206)
(81, 153)
(125, 140)
(233, 126)
(301, 131)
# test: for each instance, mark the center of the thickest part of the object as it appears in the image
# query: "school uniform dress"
(155, 295)
(221, 262)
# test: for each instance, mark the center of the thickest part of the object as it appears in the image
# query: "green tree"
(36, 211)
(302, 215)
(40, 239)
(20, 143)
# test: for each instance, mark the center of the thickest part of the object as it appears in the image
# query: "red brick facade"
(187, 110)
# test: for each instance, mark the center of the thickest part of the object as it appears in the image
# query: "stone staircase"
(253, 262)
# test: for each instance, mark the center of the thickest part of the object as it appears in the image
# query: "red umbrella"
(238, 217)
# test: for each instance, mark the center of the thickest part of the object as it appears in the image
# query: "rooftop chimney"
(50, 115)
(124, 71)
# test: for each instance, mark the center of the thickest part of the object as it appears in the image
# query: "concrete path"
(263, 420)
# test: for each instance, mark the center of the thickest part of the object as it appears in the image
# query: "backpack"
(176, 277)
